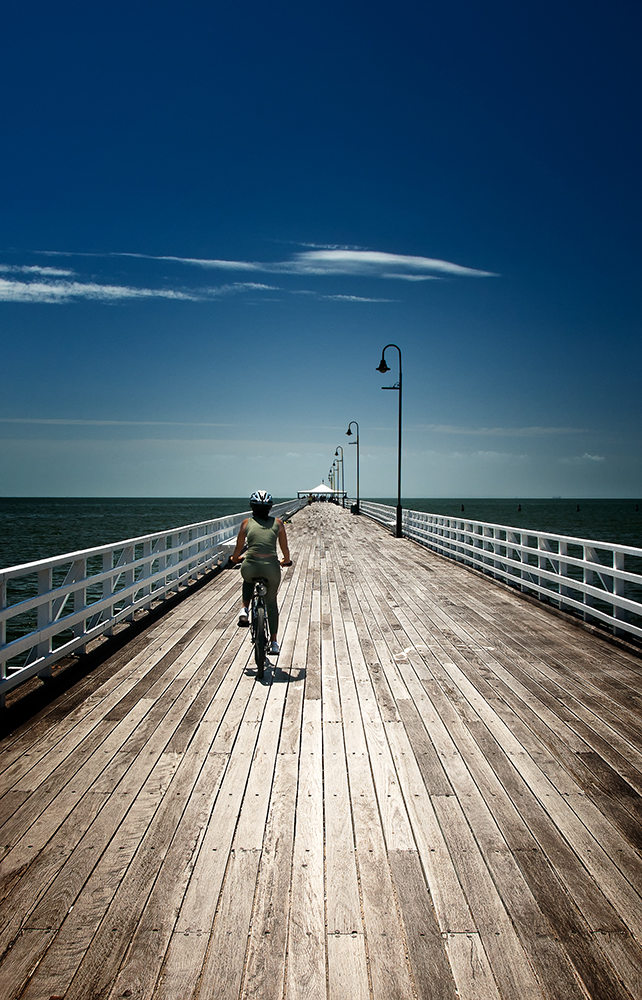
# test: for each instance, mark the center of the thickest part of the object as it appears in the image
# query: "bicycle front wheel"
(260, 640)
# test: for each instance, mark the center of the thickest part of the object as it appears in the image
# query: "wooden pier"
(437, 792)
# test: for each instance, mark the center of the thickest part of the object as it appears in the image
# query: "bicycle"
(259, 625)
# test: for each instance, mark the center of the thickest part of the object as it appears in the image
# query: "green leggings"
(270, 571)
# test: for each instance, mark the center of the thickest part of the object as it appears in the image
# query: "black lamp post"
(349, 433)
(383, 367)
(342, 480)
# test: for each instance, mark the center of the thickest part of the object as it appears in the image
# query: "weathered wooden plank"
(81, 921)
(149, 941)
(306, 946)
(343, 910)
(471, 968)
(391, 805)
(223, 966)
(20, 963)
(100, 773)
(267, 945)
(62, 738)
(596, 858)
(431, 768)
(510, 965)
(431, 970)
(347, 967)
(191, 933)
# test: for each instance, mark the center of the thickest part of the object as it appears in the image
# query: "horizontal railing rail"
(54, 607)
(599, 581)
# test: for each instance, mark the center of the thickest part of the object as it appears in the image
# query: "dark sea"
(37, 527)
(602, 520)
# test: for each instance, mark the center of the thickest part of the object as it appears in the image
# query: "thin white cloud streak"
(501, 431)
(60, 292)
(467, 456)
(345, 261)
(325, 246)
(413, 277)
(352, 298)
(45, 272)
(374, 263)
(582, 459)
(64, 422)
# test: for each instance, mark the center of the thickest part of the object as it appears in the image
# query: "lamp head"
(383, 367)
(349, 432)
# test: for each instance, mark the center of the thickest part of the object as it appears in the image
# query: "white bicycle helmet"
(261, 498)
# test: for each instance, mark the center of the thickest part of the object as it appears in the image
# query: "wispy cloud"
(317, 246)
(582, 459)
(493, 456)
(66, 291)
(32, 269)
(65, 422)
(376, 264)
(59, 292)
(327, 261)
(353, 298)
(501, 431)
(58, 285)
(339, 298)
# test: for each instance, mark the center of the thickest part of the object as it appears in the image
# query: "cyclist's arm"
(240, 542)
(283, 542)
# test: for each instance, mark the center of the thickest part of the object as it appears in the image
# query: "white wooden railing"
(600, 581)
(54, 607)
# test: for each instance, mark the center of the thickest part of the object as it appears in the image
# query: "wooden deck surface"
(437, 792)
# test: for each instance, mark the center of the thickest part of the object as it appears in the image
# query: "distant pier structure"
(435, 791)
(323, 493)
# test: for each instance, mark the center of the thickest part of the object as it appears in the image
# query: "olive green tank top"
(261, 536)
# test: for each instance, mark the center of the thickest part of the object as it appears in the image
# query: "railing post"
(128, 577)
(524, 574)
(544, 546)
(563, 571)
(588, 577)
(147, 571)
(79, 571)
(108, 589)
(618, 588)
(43, 647)
(180, 572)
(3, 634)
(512, 555)
(168, 559)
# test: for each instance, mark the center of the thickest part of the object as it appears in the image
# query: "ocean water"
(603, 520)
(37, 527)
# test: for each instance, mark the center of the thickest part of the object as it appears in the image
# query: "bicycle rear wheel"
(260, 639)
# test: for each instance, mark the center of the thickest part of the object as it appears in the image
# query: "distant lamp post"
(383, 367)
(349, 434)
(342, 478)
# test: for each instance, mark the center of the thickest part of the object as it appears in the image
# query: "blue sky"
(214, 216)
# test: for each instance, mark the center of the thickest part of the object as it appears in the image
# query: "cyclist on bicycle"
(261, 533)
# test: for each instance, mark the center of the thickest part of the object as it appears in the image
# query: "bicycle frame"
(260, 627)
